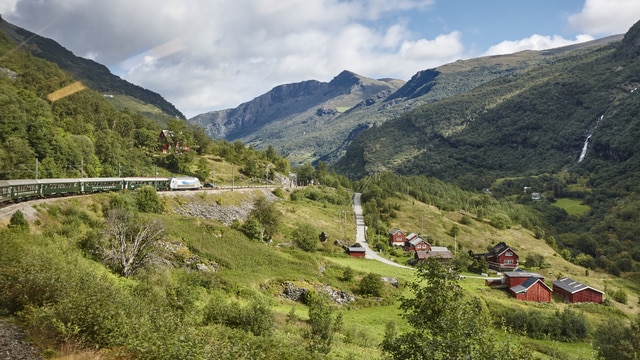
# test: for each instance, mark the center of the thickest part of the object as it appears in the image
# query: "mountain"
(96, 76)
(311, 121)
(298, 119)
(532, 121)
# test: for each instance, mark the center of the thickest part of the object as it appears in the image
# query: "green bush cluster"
(567, 325)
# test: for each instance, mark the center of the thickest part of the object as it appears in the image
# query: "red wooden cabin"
(527, 286)
(502, 257)
(397, 237)
(575, 292)
(357, 250)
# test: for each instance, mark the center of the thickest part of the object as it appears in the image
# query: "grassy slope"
(248, 267)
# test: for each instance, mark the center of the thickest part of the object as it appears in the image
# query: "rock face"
(294, 118)
(13, 344)
(296, 293)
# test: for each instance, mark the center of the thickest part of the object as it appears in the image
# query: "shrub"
(371, 284)
(305, 236)
(18, 222)
(148, 201)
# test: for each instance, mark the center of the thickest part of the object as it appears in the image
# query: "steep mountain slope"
(94, 75)
(303, 122)
(528, 123)
(298, 118)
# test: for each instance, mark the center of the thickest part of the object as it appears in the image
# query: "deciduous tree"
(130, 241)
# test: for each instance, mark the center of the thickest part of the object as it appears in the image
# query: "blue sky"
(205, 55)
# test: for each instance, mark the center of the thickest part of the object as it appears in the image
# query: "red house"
(356, 250)
(501, 258)
(415, 243)
(167, 141)
(576, 292)
(527, 286)
(396, 237)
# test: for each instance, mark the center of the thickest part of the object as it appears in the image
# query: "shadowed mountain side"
(93, 74)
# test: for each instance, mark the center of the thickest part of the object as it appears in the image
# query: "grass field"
(572, 206)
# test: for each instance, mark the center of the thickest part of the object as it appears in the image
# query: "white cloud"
(606, 17)
(535, 42)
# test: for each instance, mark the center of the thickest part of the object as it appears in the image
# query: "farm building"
(438, 252)
(356, 250)
(501, 257)
(416, 243)
(575, 292)
(527, 286)
(397, 237)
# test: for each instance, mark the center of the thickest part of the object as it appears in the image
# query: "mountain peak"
(346, 78)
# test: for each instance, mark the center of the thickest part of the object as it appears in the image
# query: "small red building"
(527, 286)
(167, 141)
(532, 290)
(356, 250)
(416, 243)
(397, 237)
(575, 292)
(502, 257)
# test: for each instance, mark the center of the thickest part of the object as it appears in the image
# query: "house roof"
(521, 274)
(571, 286)
(421, 254)
(439, 248)
(415, 241)
(528, 284)
(411, 236)
(501, 247)
(357, 247)
(395, 231)
(440, 254)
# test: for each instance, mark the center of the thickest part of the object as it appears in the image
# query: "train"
(22, 190)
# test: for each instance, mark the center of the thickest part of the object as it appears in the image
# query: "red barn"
(357, 250)
(575, 292)
(502, 258)
(532, 289)
(527, 286)
(396, 238)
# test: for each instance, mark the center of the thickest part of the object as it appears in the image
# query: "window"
(508, 253)
(508, 262)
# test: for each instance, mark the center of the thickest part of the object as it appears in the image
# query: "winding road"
(361, 238)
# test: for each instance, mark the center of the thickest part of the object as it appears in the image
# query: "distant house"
(527, 286)
(167, 141)
(414, 243)
(397, 237)
(500, 258)
(356, 250)
(575, 292)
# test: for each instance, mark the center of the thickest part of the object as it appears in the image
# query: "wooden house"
(397, 237)
(167, 140)
(575, 292)
(527, 286)
(356, 250)
(415, 243)
(501, 257)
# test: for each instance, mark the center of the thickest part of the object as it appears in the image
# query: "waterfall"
(586, 141)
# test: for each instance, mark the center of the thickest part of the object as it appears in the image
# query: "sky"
(204, 55)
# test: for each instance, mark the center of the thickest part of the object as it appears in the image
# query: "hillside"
(306, 122)
(94, 75)
(191, 302)
(299, 120)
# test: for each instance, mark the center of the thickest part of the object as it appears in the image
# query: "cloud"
(534, 42)
(601, 17)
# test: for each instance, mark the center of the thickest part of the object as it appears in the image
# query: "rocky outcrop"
(297, 293)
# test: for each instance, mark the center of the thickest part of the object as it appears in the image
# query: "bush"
(371, 284)
(148, 201)
(306, 237)
(18, 222)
